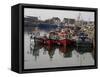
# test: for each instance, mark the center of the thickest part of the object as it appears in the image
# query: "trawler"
(54, 38)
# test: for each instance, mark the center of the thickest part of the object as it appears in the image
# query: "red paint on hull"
(64, 42)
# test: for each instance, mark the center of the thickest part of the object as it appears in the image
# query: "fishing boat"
(84, 43)
(57, 39)
(63, 42)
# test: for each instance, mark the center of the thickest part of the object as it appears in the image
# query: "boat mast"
(78, 19)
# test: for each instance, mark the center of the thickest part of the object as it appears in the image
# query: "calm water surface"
(39, 56)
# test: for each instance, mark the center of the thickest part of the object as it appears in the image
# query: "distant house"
(91, 23)
(69, 21)
(56, 20)
(30, 19)
(47, 21)
(53, 21)
(85, 23)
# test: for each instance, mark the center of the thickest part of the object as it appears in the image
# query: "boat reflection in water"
(65, 51)
(50, 50)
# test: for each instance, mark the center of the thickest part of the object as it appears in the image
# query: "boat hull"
(63, 42)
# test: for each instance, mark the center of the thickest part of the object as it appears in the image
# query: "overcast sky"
(49, 13)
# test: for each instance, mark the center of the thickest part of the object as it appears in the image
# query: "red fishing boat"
(55, 38)
(63, 42)
(58, 39)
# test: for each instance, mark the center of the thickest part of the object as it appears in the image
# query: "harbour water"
(36, 56)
